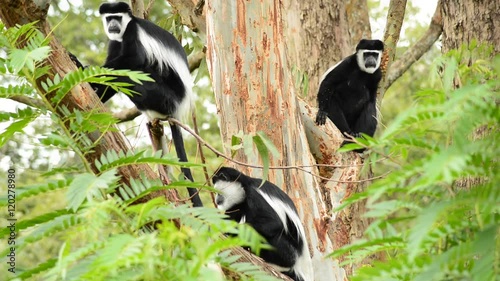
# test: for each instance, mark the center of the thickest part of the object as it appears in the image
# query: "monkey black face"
(115, 18)
(369, 54)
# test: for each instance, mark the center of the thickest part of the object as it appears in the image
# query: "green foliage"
(99, 234)
(436, 217)
(261, 142)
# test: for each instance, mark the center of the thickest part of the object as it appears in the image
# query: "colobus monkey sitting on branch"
(272, 214)
(140, 45)
(348, 91)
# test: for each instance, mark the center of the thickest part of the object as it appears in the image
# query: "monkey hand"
(354, 135)
(75, 60)
(321, 117)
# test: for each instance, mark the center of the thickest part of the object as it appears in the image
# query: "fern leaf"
(89, 186)
(27, 191)
(47, 265)
(98, 75)
(24, 224)
(14, 90)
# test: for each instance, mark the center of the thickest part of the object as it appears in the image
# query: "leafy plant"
(102, 236)
(437, 217)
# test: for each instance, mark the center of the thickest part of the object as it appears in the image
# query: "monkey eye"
(110, 18)
(223, 176)
(370, 54)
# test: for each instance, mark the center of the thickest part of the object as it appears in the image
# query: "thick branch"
(246, 256)
(194, 60)
(416, 51)
(127, 114)
(28, 101)
(137, 8)
(395, 17)
(191, 16)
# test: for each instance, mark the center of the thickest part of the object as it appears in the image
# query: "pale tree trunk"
(254, 92)
(253, 49)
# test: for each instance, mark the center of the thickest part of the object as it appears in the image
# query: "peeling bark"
(254, 92)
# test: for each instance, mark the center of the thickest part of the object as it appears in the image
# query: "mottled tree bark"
(466, 20)
(317, 37)
(463, 22)
(254, 92)
(358, 21)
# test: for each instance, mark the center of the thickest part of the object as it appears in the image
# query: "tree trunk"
(254, 92)
(466, 20)
(463, 22)
(317, 37)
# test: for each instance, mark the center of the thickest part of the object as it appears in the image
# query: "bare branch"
(127, 114)
(416, 51)
(202, 142)
(28, 101)
(194, 60)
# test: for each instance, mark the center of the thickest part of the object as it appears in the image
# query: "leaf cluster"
(103, 235)
(437, 216)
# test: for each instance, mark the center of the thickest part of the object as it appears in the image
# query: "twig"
(298, 167)
(202, 156)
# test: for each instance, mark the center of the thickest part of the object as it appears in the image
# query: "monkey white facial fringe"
(361, 61)
(233, 194)
(156, 51)
(123, 26)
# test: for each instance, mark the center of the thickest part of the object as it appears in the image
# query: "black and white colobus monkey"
(138, 44)
(348, 90)
(272, 214)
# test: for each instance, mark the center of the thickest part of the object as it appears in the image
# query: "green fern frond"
(25, 224)
(15, 90)
(26, 274)
(112, 159)
(58, 224)
(89, 186)
(32, 190)
(94, 74)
